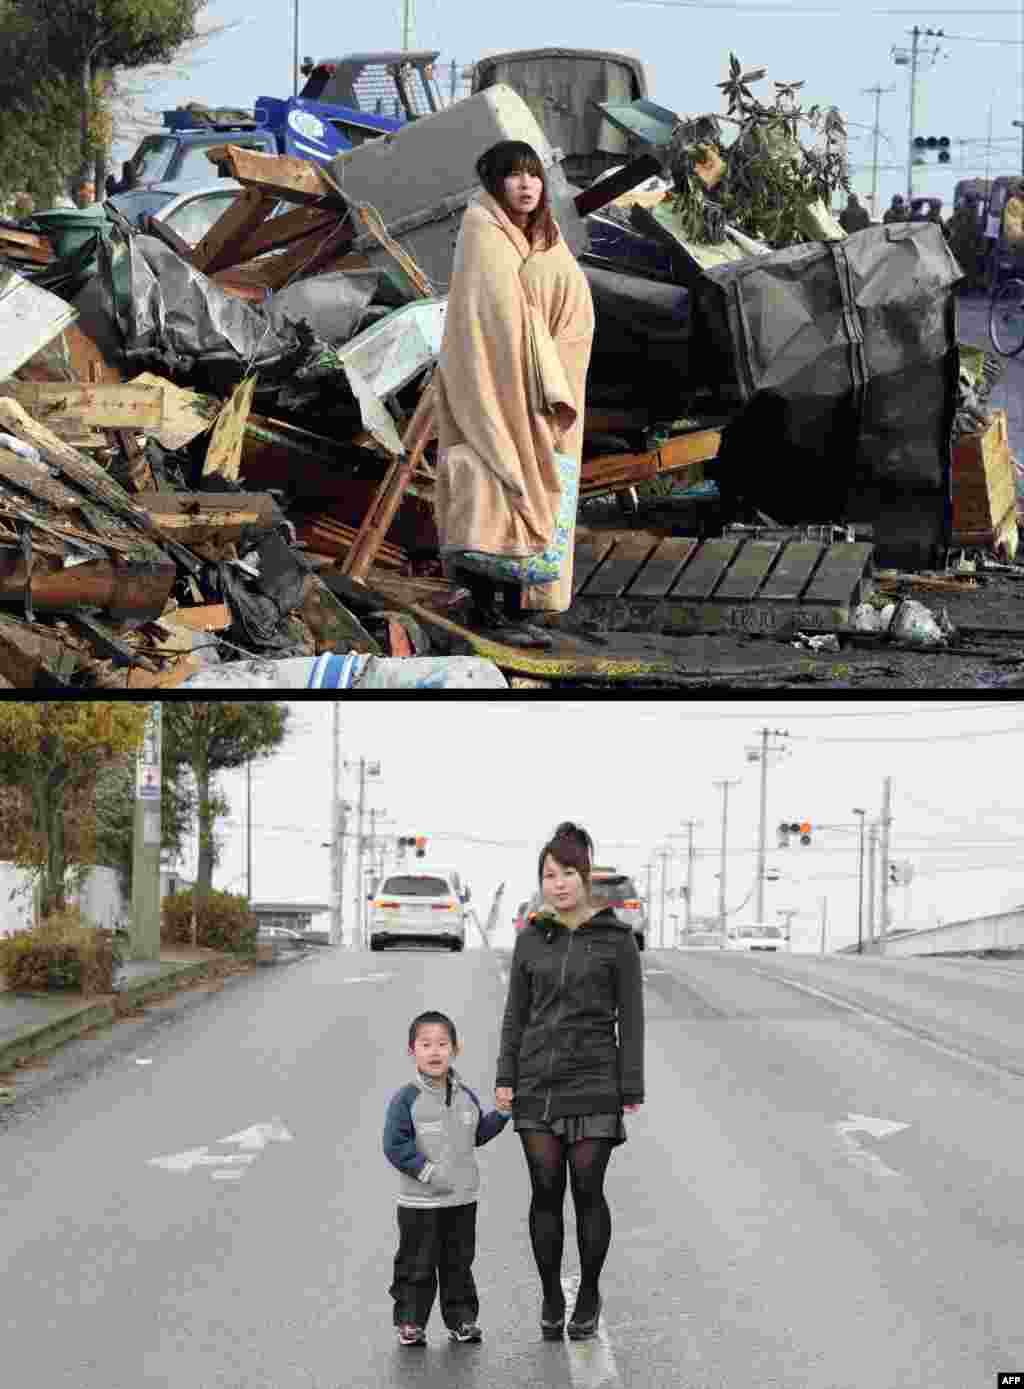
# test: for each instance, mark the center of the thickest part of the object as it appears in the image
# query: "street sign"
(147, 764)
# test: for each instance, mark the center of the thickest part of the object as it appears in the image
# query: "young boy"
(431, 1130)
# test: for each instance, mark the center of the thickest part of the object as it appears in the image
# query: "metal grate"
(377, 91)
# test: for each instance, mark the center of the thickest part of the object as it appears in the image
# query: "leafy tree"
(211, 737)
(40, 113)
(54, 752)
(83, 36)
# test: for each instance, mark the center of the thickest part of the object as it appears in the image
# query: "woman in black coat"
(570, 1063)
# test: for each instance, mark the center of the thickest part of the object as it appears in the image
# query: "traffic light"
(421, 845)
(790, 827)
(932, 144)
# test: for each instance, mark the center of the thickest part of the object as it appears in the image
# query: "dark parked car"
(608, 888)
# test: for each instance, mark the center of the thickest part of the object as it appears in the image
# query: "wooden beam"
(195, 517)
(278, 232)
(102, 406)
(625, 469)
(219, 247)
(292, 180)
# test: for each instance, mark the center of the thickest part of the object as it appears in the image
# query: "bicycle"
(1006, 308)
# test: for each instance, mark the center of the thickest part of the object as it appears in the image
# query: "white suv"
(422, 904)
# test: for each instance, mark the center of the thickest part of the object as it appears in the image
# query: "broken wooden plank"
(748, 571)
(104, 406)
(195, 517)
(86, 474)
(32, 657)
(124, 591)
(285, 177)
(663, 567)
(224, 454)
(791, 575)
(278, 232)
(684, 451)
(28, 246)
(206, 617)
(219, 247)
(37, 481)
(186, 413)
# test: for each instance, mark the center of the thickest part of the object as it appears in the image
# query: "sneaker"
(467, 1332)
(409, 1334)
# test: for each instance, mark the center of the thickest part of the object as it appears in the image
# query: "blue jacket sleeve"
(489, 1125)
(400, 1135)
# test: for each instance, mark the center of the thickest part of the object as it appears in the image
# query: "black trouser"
(435, 1247)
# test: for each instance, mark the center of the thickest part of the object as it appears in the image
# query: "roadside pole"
(824, 922)
(725, 832)
(337, 828)
(145, 924)
(872, 890)
(883, 930)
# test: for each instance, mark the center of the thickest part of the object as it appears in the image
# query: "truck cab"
(345, 101)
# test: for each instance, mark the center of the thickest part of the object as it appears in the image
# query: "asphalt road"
(772, 1227)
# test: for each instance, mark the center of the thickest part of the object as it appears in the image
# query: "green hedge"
(224, 922)
(63, 952)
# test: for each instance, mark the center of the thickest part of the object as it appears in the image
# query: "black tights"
(549, 1159)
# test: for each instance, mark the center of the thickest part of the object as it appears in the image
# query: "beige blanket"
(497, 487)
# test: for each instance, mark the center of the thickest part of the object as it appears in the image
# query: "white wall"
(100, 899)
(1002, 931)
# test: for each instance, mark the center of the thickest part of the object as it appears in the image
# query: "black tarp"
(641, 321)
(845, 357)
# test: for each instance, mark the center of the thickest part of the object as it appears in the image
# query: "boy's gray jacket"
(430, 1134)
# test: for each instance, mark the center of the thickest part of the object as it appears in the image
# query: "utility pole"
(824, 922)
(248, 829)
(147, 834)
(366, 769)
(1021, 125)
(665, 855)
(724, 784)
(650, 888)
(872, 890)
(762, 756)
(913, 104)
(337, 822)
(860, 884)
(295, 50)
(878, 92)
(408, 7)
(690, 824)
(886, 837)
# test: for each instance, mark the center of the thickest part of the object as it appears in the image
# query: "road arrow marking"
(365, 978)
(864, 1123)
(199, 1157)
(876, 1128)
(257, 1136)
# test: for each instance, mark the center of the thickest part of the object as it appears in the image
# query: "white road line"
(591, 1363)
(907, 1029)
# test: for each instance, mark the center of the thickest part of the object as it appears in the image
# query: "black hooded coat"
(572, 1037)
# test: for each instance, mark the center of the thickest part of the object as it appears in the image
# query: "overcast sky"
(838, 47)
(487, 782)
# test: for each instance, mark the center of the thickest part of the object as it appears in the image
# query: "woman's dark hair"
(510, 157)
(572, 847)
(442, 1020)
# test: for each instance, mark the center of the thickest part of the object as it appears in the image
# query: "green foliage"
(114, 803)
(771, 179)
(223, 921)
(40, 114)
(63, 952)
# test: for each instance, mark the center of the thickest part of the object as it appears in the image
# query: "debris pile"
(213, 463)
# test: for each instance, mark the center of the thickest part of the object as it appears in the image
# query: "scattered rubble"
(213, 470)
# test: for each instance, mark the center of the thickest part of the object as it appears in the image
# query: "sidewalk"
(34, 1023)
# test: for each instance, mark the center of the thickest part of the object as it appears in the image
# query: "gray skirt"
(572, 1127)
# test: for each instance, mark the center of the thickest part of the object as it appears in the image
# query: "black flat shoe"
(552, 1330)
(583, 1330)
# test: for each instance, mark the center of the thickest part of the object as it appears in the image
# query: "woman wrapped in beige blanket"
(510, 392)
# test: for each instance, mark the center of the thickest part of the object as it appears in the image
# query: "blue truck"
(344, 102)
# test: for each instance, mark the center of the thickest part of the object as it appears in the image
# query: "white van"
(755, 935)
(425, 903)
